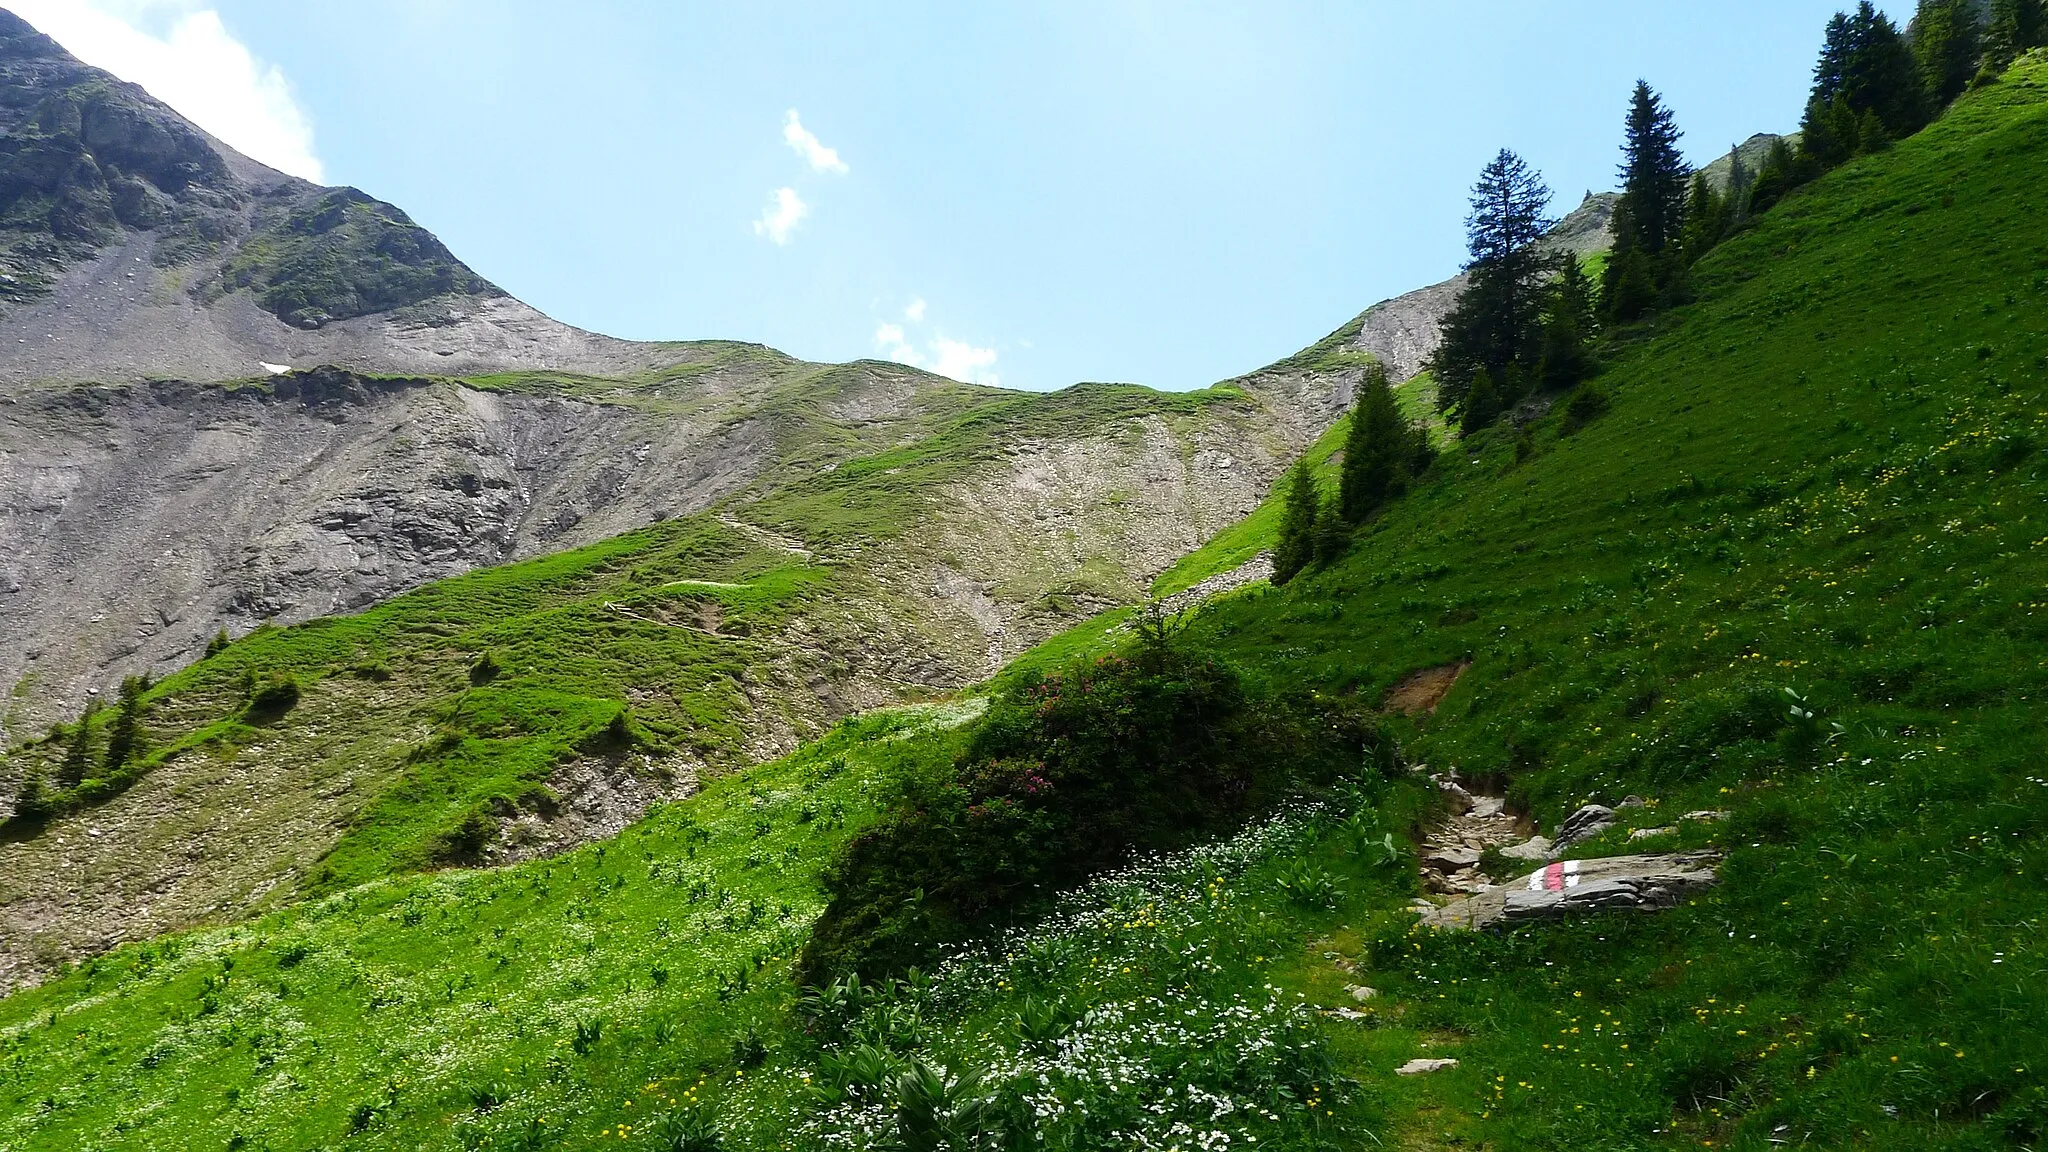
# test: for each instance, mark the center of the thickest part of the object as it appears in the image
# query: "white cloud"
(915, 312)
(185, 56)
(819, 157)
(784, 212)
(964, 362)
(956, 359)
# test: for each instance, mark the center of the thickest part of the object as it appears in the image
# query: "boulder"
(1574, 887)
(1533, 849)
(1581, 826)
(1419, 1066)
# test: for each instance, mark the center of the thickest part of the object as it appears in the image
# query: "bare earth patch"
(1420, 692)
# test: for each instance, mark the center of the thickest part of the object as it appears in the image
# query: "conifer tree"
(33, 802)
(78, 755)
(2016, 26)
(219, 643)
(1482, 404)
(1946, 47)
(1494, 323)
(1828, 133)
(124, 735)
(1775, 178)
(1868, 63)
(1706, 218)
(1568, 327)
(1333, 535)
(1653, 174)
(1296, 547)
(1740, 181)
(1376, 451)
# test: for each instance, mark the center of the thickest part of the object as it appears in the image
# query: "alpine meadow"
(1588, 703)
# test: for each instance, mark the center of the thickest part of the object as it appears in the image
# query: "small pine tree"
(219, 643)
(1871, 135)
(1946, 38)
(124, 735)
(1333, 535)
(34, 801)
(1740, 182)
(1706, 218)
(1631, 286)
(78, 755)
(1777, 177)
(1482, 404)
(1828, 133)
(1375, 452)
(1567, 328)
(1296, 547)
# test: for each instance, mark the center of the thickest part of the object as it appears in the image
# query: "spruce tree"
(1296, 547)
(1777, 176)
(1653, 174)
(2016, 26)
(1375, 452)
(124, 735)
(34, 801)
(1333, 535)
(1706, 218)
(219, 643)
(1828, 132)
(1882, 75)
(1946, 47)
(1740, 181)
(1567, 328)
(1494, 322)
(1482, 404)
(78, 755)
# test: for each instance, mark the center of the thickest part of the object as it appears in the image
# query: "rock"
(1347, 1014)
(1581, 826)
(1633, 802)
(1645, 883)
(1419, 1066)
(1461, 800)
(1452, 859)
(1705, 814)
(1487, 807)
(1534, 848)
(1360, 992)
(1646, 833)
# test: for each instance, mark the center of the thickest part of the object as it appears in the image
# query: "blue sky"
(1035, 193)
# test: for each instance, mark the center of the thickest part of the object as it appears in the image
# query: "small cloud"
(956, 359)
(964, 362)
(800, 138)
(194, 64)
(784, 212)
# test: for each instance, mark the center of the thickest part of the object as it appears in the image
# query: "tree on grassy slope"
(78, 755)
(1493, 326)
(1645, 269)
(1296, 547)
(1946, 46)
(1376, 453)
(1568, 326)
(1867, 63)
(124, 735)
(2016, 26)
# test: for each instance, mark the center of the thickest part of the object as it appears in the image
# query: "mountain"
(242, 402)
(134, 246)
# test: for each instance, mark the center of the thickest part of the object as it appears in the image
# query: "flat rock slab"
(1574, 887)
(1418, 1067)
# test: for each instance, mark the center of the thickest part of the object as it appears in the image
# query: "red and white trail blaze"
(1556, 878)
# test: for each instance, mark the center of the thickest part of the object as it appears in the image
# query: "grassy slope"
(1826, 476)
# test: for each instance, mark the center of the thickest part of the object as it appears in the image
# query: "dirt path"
(1420, 692)
(1451, 851)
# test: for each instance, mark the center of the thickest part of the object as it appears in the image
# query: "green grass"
(1825, 476)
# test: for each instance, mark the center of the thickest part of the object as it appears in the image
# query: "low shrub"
(1066, 776)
